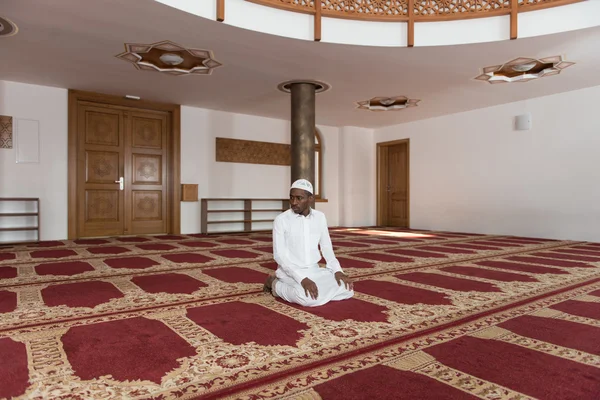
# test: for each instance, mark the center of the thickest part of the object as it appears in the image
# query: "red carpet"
(385, 383)
(8, 272)
(128, 349)
(168, 283)
(237, 322)
(436, 315)
(82, 294)
(513, 366)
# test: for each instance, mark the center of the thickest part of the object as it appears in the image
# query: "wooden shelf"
(27, 227)
(18, 214)
(234, 231)
(20, 228)
(220, 211)
(240, 199)
(229, 222)
(11, 244)
(247, 215)
(242, 210)
(19, 199)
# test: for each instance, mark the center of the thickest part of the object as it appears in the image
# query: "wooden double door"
(123, 180)
(393, 184)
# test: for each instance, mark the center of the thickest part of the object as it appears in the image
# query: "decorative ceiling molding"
(387, 103)
(398, 10)
(170, 58)
(7, 27)
(409, 11)
(380, 9)
(320, 87)
(523, 70)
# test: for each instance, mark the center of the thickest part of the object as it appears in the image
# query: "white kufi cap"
(303, 184)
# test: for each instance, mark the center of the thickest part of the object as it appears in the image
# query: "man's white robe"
(296, 241)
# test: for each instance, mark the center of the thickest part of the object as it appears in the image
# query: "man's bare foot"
(268, 286)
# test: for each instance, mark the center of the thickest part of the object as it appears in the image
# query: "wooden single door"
(100, 162)
(393, 195)
(397, 185)
(122, 173)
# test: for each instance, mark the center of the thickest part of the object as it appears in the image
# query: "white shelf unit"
(19, 220)
(240, 215)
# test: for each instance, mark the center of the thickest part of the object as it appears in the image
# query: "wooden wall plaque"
(253, 152)
(189, 192)
(6, 132)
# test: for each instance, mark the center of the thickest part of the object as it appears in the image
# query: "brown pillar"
(303, 131)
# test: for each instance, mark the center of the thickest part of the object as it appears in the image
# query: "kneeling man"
(297, 235)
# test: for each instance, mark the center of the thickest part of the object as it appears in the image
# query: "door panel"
(102, 126)
(148, 131)
(398, 184)
(102, 166)
(146, 189)
(393, 184)
(148, 205)
(102, 206)
(147, 168)
(100, 154)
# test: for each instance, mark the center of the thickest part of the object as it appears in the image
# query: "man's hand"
(310, 288)
(342, 277)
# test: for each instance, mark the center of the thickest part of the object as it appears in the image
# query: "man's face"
(300, 201)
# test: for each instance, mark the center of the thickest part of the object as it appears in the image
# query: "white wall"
(48, 178)
(357, 177)
(200, 128)
(473, 172)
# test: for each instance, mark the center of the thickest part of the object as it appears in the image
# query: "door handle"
(121, 183)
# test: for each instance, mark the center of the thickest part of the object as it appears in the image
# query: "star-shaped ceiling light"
(7, 27)
(170, 58)
(524, 70)
(387, 103)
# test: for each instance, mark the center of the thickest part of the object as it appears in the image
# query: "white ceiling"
(73, 43)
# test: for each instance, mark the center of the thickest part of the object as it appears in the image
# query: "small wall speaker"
(523, 122)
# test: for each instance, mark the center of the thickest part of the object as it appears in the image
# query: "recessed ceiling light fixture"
(524, 70)
(170, 58)
(387, 103)
(7, 27)
(523, 67)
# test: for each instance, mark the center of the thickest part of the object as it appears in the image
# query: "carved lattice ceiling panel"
(457, 7)
(398, 9)
(380, 8)
(300, 3)
(532, 3)
(295, 5)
